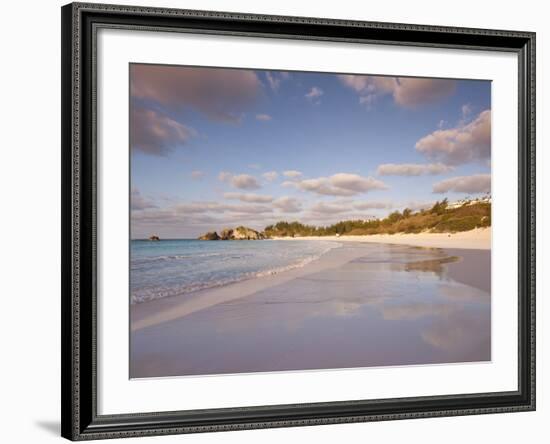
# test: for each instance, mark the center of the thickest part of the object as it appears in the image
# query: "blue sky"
(214, 148)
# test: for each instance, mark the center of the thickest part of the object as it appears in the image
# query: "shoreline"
(477, 239)
(156, 311)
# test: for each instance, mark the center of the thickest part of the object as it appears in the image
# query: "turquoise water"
(173, 267)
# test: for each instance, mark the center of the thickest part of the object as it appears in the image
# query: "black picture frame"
(80, 23)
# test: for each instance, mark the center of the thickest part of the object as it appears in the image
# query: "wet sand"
(473, 268)
(360, 305)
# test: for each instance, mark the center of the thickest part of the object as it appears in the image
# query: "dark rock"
(211, 235)
(226, 234)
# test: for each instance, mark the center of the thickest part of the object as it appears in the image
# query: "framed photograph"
(284, 221)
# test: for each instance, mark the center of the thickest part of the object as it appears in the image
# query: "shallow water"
(174, 267)
(392, 305)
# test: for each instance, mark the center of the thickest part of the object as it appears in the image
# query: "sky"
(214, 147)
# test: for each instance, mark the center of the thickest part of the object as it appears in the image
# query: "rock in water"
(154, 237)
(226, 234)
(239, 233)
(244, 233)
(211, 235)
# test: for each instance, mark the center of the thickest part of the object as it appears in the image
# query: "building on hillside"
(486, 198)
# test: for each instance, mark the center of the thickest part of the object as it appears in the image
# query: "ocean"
(174, 267)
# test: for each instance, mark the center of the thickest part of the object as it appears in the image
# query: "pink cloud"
(155, 133)
(412, 92)
(220, 94)
(408, 92)
(477, 183)
(462, 144)
(412, 169)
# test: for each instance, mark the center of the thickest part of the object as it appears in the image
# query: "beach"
(478, 239)
(369, 301)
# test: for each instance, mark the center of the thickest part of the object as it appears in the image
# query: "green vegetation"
(438, 219)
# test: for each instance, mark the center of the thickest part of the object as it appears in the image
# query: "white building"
(468, 201)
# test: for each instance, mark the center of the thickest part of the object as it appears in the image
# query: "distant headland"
(238, 233)
(442, 217)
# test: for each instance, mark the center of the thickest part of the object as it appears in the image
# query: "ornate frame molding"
(80, 22)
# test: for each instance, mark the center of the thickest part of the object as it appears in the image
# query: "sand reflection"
(387, 305)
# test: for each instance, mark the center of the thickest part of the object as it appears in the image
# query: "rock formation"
(226, 234)
(211, 235)
(154, 237)
(239, 233)
(244, 233)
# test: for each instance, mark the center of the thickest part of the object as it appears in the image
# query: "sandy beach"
(374, 300)
(478, 239)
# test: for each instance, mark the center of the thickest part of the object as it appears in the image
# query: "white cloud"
(216, 207)
(274, 79)
(263, 117)
(341, 184)
(330, 208)
(373, 205)
(249, 197)
(292, 174)
(241, 181)
(190, 219)
(168, 217)
(466, 110)
(314, 94)
(288, 204)
(249, 209)
(270, 176)
(477, 183)
(356, 183)
(245, 182)
(412, 169)
(465, 143)
(197, 207)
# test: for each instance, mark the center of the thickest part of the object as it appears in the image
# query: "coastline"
(477, 239)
